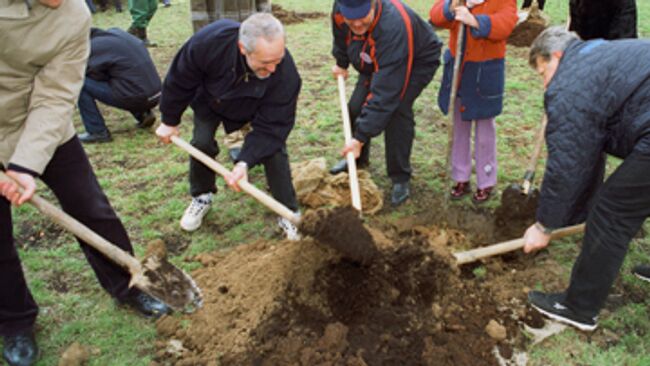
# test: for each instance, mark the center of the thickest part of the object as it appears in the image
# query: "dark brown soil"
(341, 229)
(300, 304)
(292, 17)
(525, 33)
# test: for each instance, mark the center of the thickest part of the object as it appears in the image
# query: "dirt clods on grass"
(293, 17)
(300, 303)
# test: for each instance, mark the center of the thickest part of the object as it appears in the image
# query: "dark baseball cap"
(354, 9)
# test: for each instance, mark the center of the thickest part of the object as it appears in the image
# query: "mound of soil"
(299, 303)
(526, 31)
(292, 17)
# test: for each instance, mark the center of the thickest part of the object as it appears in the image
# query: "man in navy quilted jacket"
(596, 106)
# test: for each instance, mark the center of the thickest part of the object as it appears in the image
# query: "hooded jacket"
(42, 62)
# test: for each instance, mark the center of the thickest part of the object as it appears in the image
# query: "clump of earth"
(302, 303)
(293, 17)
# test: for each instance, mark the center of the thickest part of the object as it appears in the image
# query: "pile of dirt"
(299, 303)
(526, 31)
(315, 187)
(292, 17)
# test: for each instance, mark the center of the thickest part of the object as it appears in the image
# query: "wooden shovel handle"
(82, 232)
(347, 131)
(455, 78)
(262, 197)
(509, 246)
(534, 158)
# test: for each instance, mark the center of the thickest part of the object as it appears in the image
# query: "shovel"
(520, 200)
(154, 275)
(509, 246)
(352, 164)
(455, 79)
(340, 228)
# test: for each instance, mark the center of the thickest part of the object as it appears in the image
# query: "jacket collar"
(14, 9)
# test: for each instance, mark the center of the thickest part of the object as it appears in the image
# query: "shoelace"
(17, 341)
(288, 227)
(197, 206)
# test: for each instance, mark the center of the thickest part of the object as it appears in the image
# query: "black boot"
(399, 193)
(145, 39)
(20, 350)
(90, 138)
(642, 271)
(146, 305)
(133, 31)
(234, 153)
(146, 119)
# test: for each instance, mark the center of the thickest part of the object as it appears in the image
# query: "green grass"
(147, 184)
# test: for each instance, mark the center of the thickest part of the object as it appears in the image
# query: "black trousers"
(400, 131)
(620, 208)
(74, 184)
(203, 179)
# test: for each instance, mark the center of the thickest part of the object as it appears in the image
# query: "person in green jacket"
(141, 12)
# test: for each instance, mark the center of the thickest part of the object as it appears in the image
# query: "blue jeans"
(91, 117)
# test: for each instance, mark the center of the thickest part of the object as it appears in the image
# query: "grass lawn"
(147, 184)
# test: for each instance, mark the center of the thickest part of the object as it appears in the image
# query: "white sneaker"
(194, 213)
(290, 230)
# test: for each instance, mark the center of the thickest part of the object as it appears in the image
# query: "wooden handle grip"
(347, 131)
(509, 246)
(57, 215)
(262, 197)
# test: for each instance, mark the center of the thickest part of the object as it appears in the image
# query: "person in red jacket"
(480, 92)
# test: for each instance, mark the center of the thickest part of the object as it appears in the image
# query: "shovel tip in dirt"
(341, 229)
(166, 282)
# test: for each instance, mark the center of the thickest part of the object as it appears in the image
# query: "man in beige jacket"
(42, 61)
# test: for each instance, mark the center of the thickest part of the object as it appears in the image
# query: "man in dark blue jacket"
(232, 74)
(598, 102)
(120, 73)
(396, 54)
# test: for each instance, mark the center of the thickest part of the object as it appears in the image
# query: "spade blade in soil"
(341, 229)
(516, 205)
(169, 284)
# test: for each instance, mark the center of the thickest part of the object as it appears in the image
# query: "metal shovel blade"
(168, 284)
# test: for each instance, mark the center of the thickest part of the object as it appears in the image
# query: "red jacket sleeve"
(503, 21)
(440, 14)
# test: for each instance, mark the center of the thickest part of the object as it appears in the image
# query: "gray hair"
(551, 40)
(259, 25)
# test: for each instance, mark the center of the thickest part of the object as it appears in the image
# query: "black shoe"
(234, 153)
(342, 166)
(399, 193)
(20, 350)
(551, 306)
(145, 38)
(146, 120)
(643, 272)
(147, 305)
(95, 137)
